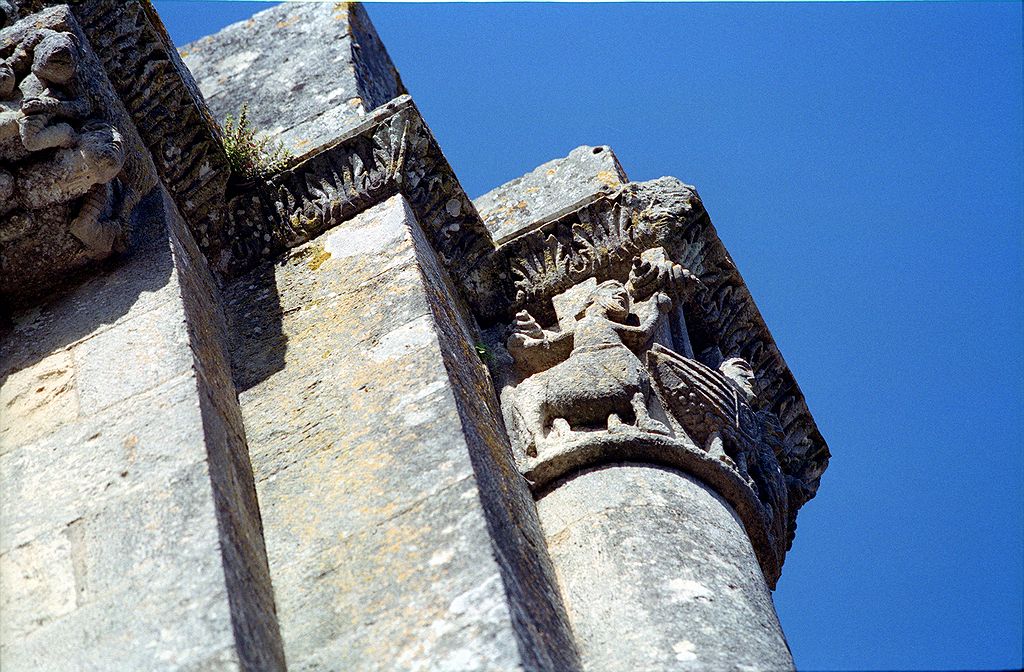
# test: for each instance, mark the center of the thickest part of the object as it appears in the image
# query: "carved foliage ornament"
(391, 152)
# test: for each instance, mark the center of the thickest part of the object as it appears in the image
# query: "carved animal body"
(601, 381)
(596, 382)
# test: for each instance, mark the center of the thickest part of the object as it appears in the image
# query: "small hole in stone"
(598, 150)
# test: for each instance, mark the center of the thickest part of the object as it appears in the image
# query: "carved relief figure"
(590, 374)
(53, 155)
(712, 406)
(610, 370)
(49, 92)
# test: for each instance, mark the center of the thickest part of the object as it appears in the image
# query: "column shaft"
(658, 573)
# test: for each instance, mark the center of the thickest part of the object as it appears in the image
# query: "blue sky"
(864, 164)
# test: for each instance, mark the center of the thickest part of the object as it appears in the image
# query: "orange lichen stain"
(318, 258)
(551, 171)
(130, 443)
(522, 205)
(355, 102)
(532, 190)
(183, 53)
(609, 178)
(340, 11)
(288, 22)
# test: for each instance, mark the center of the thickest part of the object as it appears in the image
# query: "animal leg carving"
(644, 421)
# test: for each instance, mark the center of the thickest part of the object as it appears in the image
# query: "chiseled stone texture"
(126, 524)
(550, 191)
(308, 70)
(378, 529)
(658, 574)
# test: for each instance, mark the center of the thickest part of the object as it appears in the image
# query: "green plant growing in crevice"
(251, 157)
(484, 352)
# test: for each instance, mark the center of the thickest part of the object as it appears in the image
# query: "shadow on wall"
(124, 286)
(257, 342)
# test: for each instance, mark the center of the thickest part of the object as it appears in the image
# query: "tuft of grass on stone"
(483, 352)
(251, 157)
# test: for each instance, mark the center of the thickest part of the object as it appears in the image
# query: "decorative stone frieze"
(391, 152)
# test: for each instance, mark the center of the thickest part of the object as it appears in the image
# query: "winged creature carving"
(712, 406)
(603, 372)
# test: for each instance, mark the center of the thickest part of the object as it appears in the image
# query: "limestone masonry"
(341, 417)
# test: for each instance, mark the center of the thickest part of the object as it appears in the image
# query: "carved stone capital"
(622, 332)
(614, 378)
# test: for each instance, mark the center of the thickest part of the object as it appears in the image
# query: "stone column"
(664, 441)
(658, 573)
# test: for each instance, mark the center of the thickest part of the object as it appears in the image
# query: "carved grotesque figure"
(609, 370)
(50, 93)
(57, 163)
(713, 407)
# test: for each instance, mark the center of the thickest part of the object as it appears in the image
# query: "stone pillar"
(398, 533)
(129, 531)
(657, 573)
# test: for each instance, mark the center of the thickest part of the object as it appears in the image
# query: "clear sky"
(864, 165)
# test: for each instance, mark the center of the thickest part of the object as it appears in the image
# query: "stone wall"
(376, 499)
(127, 511)
(332, 416)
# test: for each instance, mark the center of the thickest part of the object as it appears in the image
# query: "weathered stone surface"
(549, 191)
(375, 464)
(72, 166)
(399, 531)
(136, 494)
(307, 71)
(658, 574)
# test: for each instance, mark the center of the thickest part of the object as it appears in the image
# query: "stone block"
(550, 191)
(128, 359)
(179, 628)
(37, 585)
(307, 71)
(86, 465)
(37, 399)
